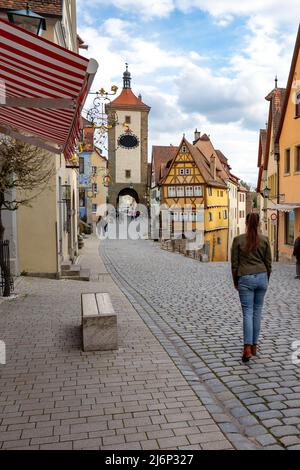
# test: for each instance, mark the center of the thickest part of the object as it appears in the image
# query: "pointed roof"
(128, 100)
(276, 98)
(206, 147)
(262, 146)
(202, 163)
(289, 85)
(204, 166)
(224, 162)
(161, 155)
(261, 156)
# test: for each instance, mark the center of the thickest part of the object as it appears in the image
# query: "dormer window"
(297, 107)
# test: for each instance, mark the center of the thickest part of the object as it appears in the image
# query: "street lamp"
(27, 19)
(266, 192)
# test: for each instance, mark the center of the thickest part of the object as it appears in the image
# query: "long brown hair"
(252, 235)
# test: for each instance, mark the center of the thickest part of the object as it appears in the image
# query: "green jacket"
(256, 261)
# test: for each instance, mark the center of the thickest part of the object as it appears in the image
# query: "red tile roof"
(261, 156)
(42, 7)
(206, 147)
(128, 100)
(203, 163)
(161, 155)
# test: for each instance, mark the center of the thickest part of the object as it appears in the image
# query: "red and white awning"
(43, 88)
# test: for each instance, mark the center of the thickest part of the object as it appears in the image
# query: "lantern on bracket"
(27, 19)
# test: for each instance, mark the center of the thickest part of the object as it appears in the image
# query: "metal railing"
(6, 280)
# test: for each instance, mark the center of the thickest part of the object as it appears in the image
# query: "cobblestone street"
(194, 311)
(176, 381)
(54, 396)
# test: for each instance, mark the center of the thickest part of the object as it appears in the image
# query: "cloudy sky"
(197, 63)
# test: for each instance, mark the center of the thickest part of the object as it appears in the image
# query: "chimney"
(197, 136)
(213, 166)
(140, 97)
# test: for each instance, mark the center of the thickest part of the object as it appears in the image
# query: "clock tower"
(128, 145)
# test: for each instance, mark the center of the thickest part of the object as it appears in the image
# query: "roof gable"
(276, 99)
(206, 147)
(201, 163)
(128, 100)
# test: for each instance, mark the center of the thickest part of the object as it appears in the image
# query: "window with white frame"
(95, 188)
(209, 190)
(94, 208)
(198, 191)
(189, 191)
(187, 171)
(183, 149)
(181, 171)
(171, 191)
(180, 191)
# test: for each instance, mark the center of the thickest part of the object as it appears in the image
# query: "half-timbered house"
(194, 193)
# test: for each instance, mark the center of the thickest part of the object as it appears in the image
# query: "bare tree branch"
(25, 172)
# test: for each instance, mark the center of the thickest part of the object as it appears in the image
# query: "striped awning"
(43, 88)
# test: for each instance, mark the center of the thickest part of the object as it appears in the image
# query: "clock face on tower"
(128, 140)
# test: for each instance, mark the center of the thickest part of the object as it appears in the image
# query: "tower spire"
(126, 78)
(276, 81)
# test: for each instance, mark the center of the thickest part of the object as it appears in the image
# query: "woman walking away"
(251, 264)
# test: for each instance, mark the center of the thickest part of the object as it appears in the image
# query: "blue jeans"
(252, 289)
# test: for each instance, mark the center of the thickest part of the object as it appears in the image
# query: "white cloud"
(147, 9)
(236, 93)
(223, 11)
(276, 11)
(184, 93)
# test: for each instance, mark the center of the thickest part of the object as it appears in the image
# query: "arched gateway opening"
(127, 202)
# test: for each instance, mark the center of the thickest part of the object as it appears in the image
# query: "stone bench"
(99, 323)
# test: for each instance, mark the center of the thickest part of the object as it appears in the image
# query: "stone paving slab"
(195, 313)
(54, 396)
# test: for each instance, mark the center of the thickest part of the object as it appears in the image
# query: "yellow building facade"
(192, 185)
(288, 146)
